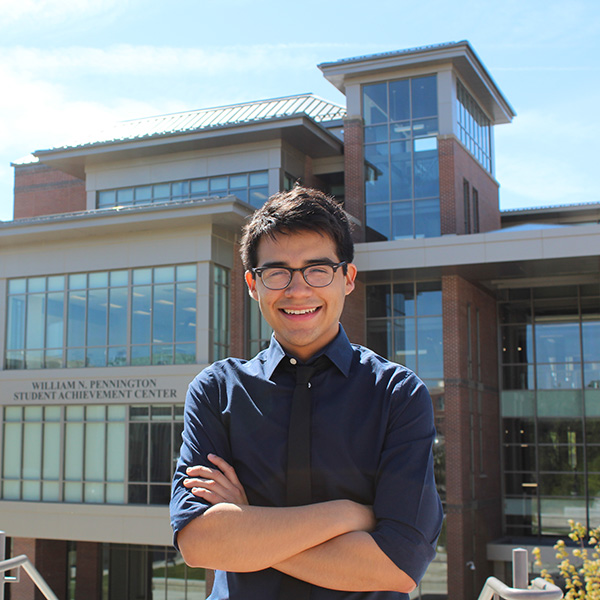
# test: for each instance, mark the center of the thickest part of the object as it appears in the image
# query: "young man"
(352, 511)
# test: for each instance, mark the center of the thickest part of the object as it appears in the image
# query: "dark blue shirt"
(372, 436)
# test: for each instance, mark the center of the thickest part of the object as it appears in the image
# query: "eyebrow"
(312, 261)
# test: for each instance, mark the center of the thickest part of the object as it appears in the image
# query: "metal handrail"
(23, 561)
(540, 590)
(17, 562)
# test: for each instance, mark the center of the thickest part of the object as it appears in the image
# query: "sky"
(71, 67)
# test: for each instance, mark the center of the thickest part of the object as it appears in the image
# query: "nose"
(298, 286)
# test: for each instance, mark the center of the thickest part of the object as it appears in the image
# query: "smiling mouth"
(303, 311)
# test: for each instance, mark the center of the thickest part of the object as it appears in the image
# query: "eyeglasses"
(318, 276)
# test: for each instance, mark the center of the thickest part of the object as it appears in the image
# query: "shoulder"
(394, 377)
(228, 370)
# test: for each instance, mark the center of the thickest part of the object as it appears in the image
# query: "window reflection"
(551, 404)
(401, 159)
(78, 453)
(108, 322)
(406, 331)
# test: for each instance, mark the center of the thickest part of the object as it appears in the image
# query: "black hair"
(300, 209)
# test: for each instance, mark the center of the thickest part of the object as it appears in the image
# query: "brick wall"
(88, 585)
(354, 316)
(473, 493)
(354, 174)
(41, 190)
(50, 558)
(457, 164)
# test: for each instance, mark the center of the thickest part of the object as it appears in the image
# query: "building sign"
(101, 390)
(96, 390)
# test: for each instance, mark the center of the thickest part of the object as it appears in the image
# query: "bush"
(578, 567)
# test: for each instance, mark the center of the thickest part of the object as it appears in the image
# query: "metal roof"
(550, 207)
(390, 53)
(310, 105)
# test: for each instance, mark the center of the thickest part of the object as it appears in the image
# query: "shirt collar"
(339, 352)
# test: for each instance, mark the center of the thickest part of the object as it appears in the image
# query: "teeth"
(290, 311)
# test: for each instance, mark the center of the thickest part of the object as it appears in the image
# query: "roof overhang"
(300, 131)
(495, 260)
(460, 54)
(562, 214)
(228, 212)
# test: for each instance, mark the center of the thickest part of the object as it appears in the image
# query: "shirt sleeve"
(204, 432)
(407, 506)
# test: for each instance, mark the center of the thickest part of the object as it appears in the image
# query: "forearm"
(246, 538)
(349, 562)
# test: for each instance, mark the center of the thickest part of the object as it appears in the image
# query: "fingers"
(215, 485)
(226, 468)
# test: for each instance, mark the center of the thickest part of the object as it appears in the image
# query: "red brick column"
(456, 165)
(88, 584)
(473, 496)
(354, 315)
(448, 219)
(50, 558)
(309, 179)
(354, 173)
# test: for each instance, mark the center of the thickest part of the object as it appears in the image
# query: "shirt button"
(293, 361)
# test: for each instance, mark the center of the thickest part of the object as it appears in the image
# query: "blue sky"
(68, 67)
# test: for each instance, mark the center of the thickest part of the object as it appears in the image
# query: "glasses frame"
(335, 266)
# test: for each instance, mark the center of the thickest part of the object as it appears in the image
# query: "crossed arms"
(326, 544)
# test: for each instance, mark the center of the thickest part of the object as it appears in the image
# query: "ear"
(251, 283)
(350, 277)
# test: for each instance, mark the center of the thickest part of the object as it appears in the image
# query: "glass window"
(377, 173)
(88, 463)
(250, 187)
(550, 401)
(402, 220)
(378, 222)
(395, 331)
(375, 106)
(399, 100)
(401, 158)
(107, 323)
(591, 340)
(557, 342)
(220, 312)
(474, 127)
(427, 218)
(424, 96)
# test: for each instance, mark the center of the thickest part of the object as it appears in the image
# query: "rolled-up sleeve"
(407, 506)
(203, 433)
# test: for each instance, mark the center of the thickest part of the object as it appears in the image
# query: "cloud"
(125, 59)
(56, 95)
(49, 12)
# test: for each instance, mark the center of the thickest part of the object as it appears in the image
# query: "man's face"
(304, 318)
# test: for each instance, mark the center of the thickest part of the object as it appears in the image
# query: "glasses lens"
(276, 279)
(319, 275)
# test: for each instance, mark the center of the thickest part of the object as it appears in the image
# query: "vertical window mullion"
(85, 319)
(174, 319)
(151, 320)
(61, 465)
(128, 318)
(149, 455)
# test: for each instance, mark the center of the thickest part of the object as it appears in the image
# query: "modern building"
(120, 280)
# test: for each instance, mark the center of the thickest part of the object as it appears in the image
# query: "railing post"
(2, 557)
(520, 569)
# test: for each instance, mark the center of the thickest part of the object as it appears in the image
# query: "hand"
(215, 485)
